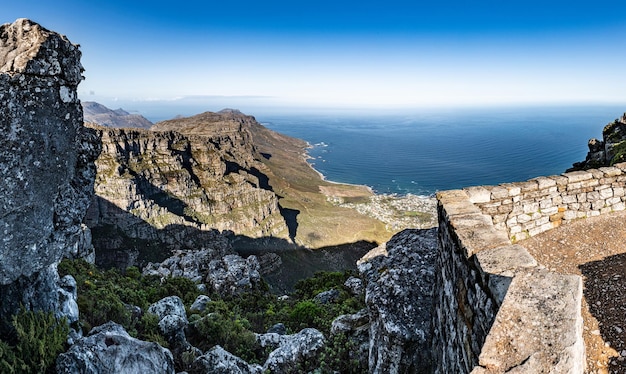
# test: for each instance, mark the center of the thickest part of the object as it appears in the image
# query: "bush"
(39, 339)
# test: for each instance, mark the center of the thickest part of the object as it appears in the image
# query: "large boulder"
(172, 317)
(292, 352)
(46, 162)
(399, 298)
(233, 274)
(219, 361)
(109, 349)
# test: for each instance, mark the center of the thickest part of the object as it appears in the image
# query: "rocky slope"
(152, 184)
(46, 161)
(608, 151)
(98, 113)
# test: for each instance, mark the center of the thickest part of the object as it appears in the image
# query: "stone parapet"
(525, 209)
(495, 309)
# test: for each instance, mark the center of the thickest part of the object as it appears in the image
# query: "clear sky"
(345, 53)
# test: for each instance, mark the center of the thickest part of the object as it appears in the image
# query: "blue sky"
(345, 53)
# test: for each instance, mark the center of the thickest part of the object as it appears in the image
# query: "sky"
(337, 53)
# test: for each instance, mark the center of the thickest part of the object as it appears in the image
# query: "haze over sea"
(426, 150)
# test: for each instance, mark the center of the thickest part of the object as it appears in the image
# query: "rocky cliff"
(608, 151)
(185, 177)
(46, 161)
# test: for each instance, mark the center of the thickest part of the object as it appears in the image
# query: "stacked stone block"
(525, 209)
(495, 309)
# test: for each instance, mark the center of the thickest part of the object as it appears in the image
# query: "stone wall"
(528, 208)
(496, 310)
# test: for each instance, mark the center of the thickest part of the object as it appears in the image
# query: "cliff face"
(608, 151)
(46, 161)
(203, 176)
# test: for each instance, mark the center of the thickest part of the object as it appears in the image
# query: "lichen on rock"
(46, 160)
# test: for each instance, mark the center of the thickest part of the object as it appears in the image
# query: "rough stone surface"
(46, 163)
(355, 327)
(199, 305)
(538, 327)
(327, 297)
(278, 328)
(108, 349)
(198, 173)
(219, 361)
(355, 285)
(291, 352)
(399, 300)
(233, 274)
(172, 315)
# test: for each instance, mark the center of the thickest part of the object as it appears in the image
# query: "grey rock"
(46, 162)
(68, 307)
(199, 305)
(172, 316)
(278, 328)
(350, 322)
(399, 300)
(355, 286)
(293, 351)
(233, 274)
(108, 349)
(355, 327)
(219, 361)
(327, 297)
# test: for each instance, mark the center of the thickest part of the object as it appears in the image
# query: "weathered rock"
(355, 327)
(233, 274)
(278, 328)
(219, 361)
(46, 162)
(108, 349)
(293, 351)
(199, 172)
(355, 285)
(350, 322)
(191, 264)
(608, 151)
(172, 316)
(399, 300)
(327, 297)
(199, 305)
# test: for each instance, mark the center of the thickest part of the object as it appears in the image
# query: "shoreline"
(305, 155)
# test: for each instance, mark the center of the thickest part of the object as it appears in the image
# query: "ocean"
(427, 151)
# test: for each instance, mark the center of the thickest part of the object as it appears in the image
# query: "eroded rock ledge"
(46, 161)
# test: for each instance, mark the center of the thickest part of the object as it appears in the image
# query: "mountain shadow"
(141, 243)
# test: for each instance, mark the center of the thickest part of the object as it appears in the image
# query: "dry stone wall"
(495, 309)
(525, 209)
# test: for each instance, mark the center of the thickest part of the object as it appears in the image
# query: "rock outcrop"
(46, 162)
(198, 172)
(291, 352)
(227, 275)
(400, 279)
(101, 115)
(109, 349)
(608, 151)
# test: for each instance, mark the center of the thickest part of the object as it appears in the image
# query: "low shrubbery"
(38, 338)
(228, 321)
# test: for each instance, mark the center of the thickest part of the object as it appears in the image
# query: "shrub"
(39, 339)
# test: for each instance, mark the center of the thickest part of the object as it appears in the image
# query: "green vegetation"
(228, 321)
(620, 153)
(38, 338)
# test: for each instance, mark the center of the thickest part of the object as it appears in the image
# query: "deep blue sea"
(426, 151)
